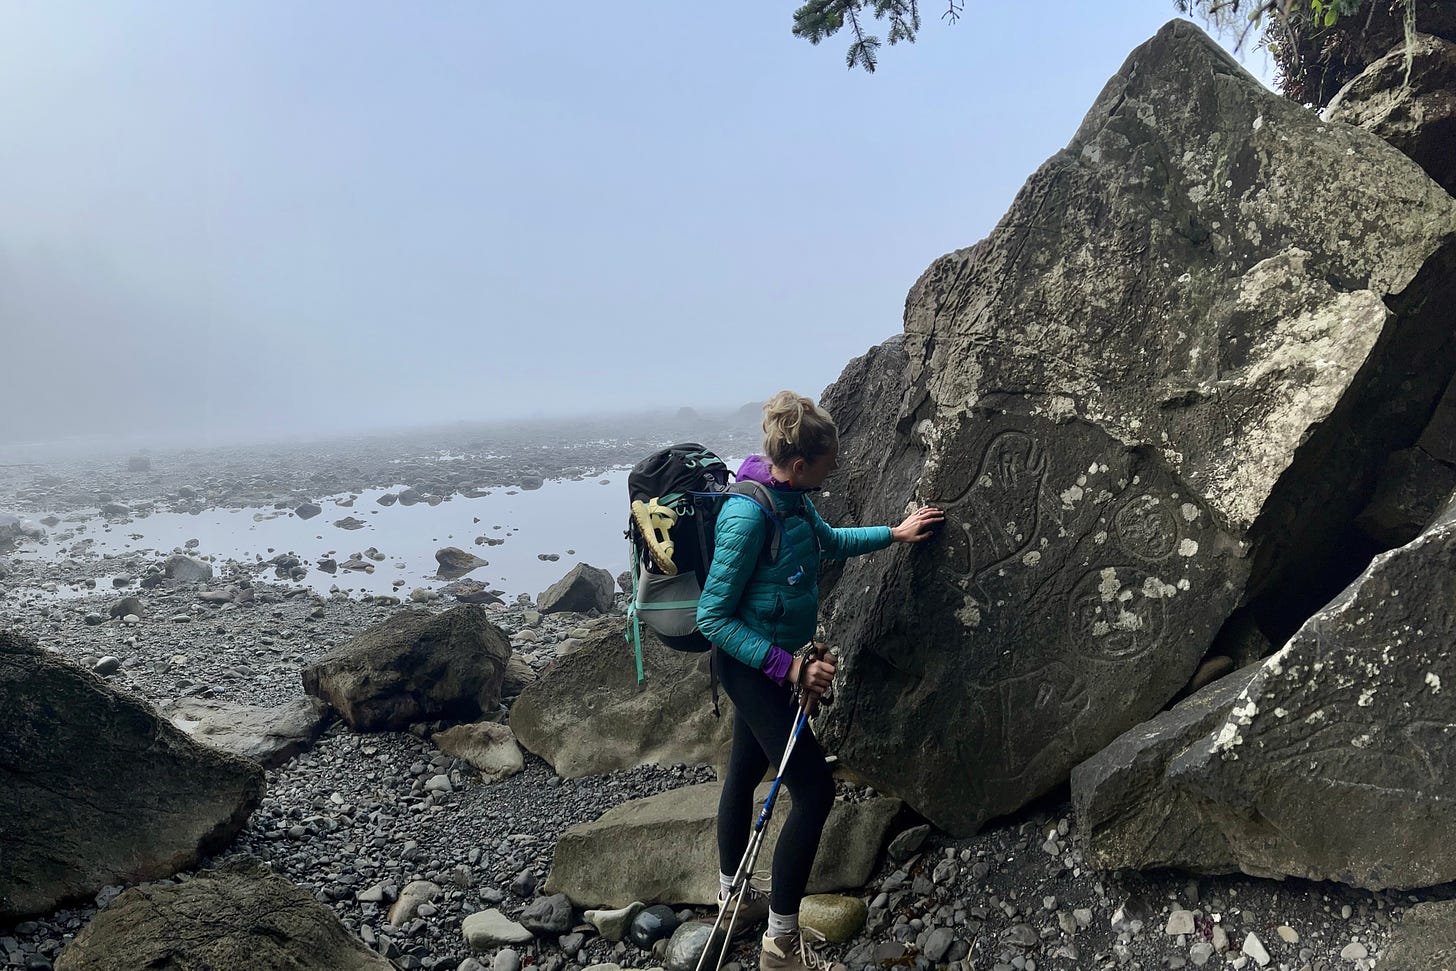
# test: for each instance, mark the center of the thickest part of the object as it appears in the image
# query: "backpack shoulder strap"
(758, 493)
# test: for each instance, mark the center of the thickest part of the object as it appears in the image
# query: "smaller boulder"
(652, 925)
(612, 923)
(490, 748)
(125, 606)
(308, 510)
(583, 588)
(455, 562)
(548, 915)
(188, 569)
(837, 917)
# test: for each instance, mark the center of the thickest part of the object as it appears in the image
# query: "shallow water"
(579, 521)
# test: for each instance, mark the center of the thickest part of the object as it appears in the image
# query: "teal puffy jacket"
(748, 605)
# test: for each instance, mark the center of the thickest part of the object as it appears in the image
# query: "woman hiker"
(757, 614)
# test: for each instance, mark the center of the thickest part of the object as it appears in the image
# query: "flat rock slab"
(1424, 940)
(587, 714)
(663, 849)
(416, 666)
(98, 789)
(1159, 388)
(489, 747)
(268, 736)
(239, 915)
(1357, 712)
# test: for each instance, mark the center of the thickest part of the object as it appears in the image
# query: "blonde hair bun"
(795, 427)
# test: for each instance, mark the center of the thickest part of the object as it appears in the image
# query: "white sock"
(781, 924)
(725, 885)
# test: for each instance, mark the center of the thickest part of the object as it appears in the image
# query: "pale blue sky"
(271, 217)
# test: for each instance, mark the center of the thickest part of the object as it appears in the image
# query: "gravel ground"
(353, 823)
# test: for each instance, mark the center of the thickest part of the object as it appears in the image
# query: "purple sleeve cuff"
(777, 664)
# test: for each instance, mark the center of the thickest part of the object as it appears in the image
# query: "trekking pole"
(755, 843)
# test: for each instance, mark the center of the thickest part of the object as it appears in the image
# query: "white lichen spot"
(1190, 512)
(1100, 537)
(1156, 589)
(1360, 741)
(1100, 628)
(1108, 587)
(969, 615)
(1188, 548)
(1258, 123)
(1031, 559)
(1228, 736)
(1280, 713)
(1366, 696)
(1184, 585)
(1072, 496)
(1434, 680)
(1318, 715)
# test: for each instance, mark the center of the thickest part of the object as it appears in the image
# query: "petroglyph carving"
(1117, 612)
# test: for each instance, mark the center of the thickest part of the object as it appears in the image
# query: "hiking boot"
(752, 912)
(780, 954)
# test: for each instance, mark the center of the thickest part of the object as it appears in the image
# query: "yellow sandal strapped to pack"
(653, 522)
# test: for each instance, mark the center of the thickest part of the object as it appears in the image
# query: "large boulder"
(1415, 112)
(98, 789)
(583, 588)
(268, 736)
(587, 714)
(1355, 714)
(662, 849)
(239, 915)
(414, 667)
(1157, 390)
(1127, 812)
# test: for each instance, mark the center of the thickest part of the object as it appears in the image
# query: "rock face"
(1356, 711)
(1419, 118)
(239, 915)
(662, 849)
(1126, 808)
(1425, 939)
(587, 714)
(1157, 388)
(583, 588)
(416, 666)
(97, 789)
(268, 736)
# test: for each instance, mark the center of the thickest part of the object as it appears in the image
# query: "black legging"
(763, 718)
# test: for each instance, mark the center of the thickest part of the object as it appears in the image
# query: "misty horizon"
(231, 222)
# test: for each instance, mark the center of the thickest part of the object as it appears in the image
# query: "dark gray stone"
(1158, 389)
(455, 562)
(547, 915)
(97, 789)
(308, 510)
(414, 667)
(1412, 488)
(583, 588)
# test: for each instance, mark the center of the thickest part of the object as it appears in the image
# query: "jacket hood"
(757, 468)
